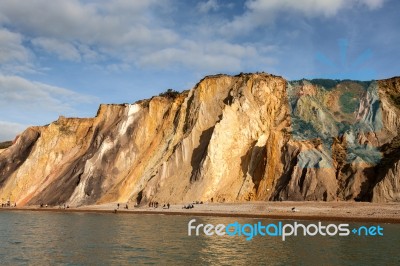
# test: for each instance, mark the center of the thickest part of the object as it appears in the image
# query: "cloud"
(263, 12)
(26, 102)
(11, 48)
(10, 130)
(310, 7)
(192, 58)
(14, 57)
(373, 4)
(217, 56)
(210, 5)
(117, 67)
(114, 22)
(120, 35)
(88, 54)
(122, 32)
(93, 32)
(17, 93)
(63, 50)
(307, 7)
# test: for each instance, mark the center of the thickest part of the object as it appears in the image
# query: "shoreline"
(314, 211)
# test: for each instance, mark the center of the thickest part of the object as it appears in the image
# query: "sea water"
(44, 238)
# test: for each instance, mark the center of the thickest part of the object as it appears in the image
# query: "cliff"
(230, 138)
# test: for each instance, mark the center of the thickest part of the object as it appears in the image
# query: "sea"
(57, 238)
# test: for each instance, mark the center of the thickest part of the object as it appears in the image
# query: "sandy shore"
(327, 211)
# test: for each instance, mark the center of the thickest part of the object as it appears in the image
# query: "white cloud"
(89, 54)
(21, 94)
(373, 4)
(210, 5)
(63, 50)
(122, 34)
(113, 22)
(119, 35)
(218, 56)
(262, 12)
(10, 130)
(118, 67)
(14, 57)
(192, 58)
(310, 7)
(11, 47)
(49, 18)
(93, 32)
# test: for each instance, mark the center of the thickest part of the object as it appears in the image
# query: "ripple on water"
(98, 239)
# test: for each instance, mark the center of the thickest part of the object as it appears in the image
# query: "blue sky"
(66, 57)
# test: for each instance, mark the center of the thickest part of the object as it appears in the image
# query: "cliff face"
(231, 138)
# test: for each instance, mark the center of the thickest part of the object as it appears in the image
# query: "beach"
(305, 210)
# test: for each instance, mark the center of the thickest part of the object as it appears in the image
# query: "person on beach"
(118, 206)
(168, 205)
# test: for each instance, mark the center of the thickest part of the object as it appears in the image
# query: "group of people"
(64, 206)
(189, 206)
(8, 205)
(126, 206)
(154, 204)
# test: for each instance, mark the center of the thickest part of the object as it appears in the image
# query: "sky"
(65, 57)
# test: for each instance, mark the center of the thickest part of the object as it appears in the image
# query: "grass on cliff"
(5, 144)
(328, 84)
(170, 93)
(395, 100)
(303, 129)
(349, 102)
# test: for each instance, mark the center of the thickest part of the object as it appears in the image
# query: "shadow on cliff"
(289, 160)
(19, 153)
(253, 163)
(69, 177)
(391, 155)
(199, 153)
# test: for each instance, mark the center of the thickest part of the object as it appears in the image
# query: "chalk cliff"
(230, 138)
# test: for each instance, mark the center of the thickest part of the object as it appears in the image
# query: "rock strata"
(229, 139)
